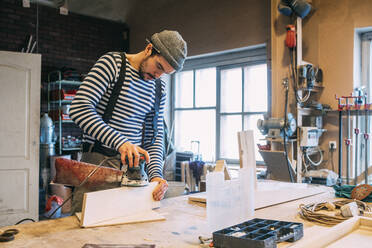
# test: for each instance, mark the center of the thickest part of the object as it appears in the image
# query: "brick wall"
(74, 40)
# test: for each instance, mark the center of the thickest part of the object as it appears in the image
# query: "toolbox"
(258, 233)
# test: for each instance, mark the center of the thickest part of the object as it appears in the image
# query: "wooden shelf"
(311, 111)
(316, 88)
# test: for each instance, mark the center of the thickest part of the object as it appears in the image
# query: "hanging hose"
(285, 83)
(294, 76)
(311, 161)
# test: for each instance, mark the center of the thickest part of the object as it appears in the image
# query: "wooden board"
(246, 152)
(222, 166)
(269, 193)
(137, 218)
(355, 232)
(119, 206)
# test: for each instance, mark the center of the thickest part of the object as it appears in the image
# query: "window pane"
(230, 126)
(191, 125)
(231, 90)
(205, 87)
(184, 89)
(255, 88)
(250, 122)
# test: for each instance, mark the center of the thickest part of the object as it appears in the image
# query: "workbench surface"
(185, 222)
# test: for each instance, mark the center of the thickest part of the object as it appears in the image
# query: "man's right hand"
(132, 151)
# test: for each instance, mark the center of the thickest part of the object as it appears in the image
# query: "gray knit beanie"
(171, 46)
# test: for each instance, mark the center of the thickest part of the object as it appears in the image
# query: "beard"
(142, 71)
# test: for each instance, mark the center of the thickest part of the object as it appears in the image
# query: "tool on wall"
(290, 39)
(300, 8)
(29, 48)
(309, 76)
(277, 127)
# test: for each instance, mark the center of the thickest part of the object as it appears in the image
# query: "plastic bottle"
(47, 135)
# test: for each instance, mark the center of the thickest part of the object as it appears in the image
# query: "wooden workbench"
(185, 221)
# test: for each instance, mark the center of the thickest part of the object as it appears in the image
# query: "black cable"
(293, 74)
(19, 222)
(285, 134)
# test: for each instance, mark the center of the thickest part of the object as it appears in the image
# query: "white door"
(19, 136)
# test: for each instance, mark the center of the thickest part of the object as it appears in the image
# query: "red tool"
(290, 39)
(71, 172)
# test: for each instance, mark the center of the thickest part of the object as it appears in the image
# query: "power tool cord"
(309, 211)
(81, 184)
(311, 161)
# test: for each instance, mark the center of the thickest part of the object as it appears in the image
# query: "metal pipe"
(356, 132)
(366, 107)
(347, 141)
(340, 146)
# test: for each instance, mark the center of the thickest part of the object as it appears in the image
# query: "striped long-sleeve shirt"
(134, 106)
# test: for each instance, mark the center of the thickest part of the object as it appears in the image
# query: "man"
(124, 133)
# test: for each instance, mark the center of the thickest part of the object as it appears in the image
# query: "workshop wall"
(74, 41)
(208, 25)
(328, 42)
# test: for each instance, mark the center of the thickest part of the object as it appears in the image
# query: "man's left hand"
(160, 189)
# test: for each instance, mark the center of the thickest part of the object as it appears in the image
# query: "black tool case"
(258, 233)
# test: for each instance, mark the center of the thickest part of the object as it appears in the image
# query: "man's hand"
(132, 151)
(160, 189)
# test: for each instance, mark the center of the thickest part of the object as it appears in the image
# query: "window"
(215, 97)
(366, 83)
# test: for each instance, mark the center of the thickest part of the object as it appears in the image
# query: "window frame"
(366, 65)
(366, 81)
(242, 57)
